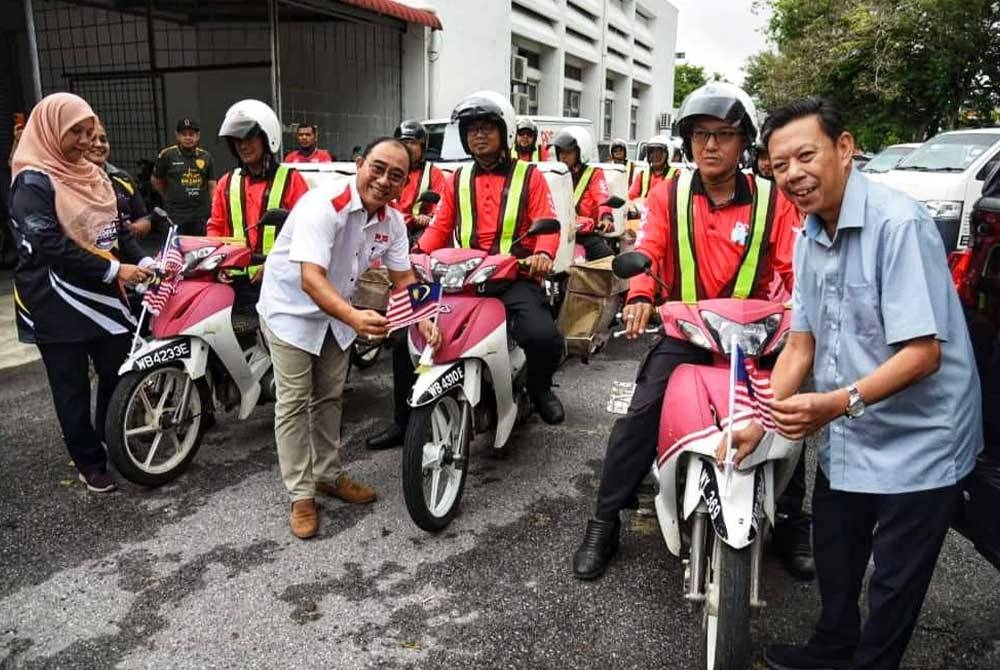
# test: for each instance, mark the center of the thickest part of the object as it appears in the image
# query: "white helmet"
(577, 137)
(721, 100)
(663, 141)
(485, 105)
(247, 117)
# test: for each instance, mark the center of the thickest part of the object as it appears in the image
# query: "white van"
(946, 173)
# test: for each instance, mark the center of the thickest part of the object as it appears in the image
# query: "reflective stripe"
(581, 186)
(536, 155)
(758, 229)
(511, 206)
(758, 226)
(425, 183)
(689, 289)
(124, 182)
(646, 180)
(274, 198)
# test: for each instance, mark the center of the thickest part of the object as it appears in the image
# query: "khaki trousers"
(307, 413)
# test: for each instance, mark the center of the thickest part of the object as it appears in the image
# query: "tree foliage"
(687, 78)
(899, 70)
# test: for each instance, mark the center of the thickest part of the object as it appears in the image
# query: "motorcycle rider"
(618, 151)
(574, 147)
(717, 122)
(259, 182)
(526, 145)
(423, 177)
(657, 149)
(487, 205)
(762, 161)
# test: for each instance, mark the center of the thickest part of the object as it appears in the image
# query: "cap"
(187, 123)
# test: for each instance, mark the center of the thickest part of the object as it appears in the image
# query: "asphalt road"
(204, 573)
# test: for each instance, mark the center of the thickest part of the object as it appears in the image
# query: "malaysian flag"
(753, 388)
(413, 304)
(168, 275)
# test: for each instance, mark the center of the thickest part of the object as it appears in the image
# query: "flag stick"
(733, 356)
(136, 337)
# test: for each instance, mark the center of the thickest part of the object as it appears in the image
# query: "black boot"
(600, 543)
(549, 406)
(388, 438)
(792, 539)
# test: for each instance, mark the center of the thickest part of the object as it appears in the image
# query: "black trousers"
(67, 367)
(594, 246)
(189, 225)
(632, 443)
(904, 533)
(529, 321)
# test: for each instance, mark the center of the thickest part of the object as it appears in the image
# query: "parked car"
(861, 160)
(946, 173)
(889, 157)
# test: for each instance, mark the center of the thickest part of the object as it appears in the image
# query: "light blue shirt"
(882, 280)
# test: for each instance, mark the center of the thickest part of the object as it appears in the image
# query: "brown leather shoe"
(305, 520)
(347, 490)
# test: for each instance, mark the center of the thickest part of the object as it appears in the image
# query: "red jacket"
(591, 204)
(404, 203)
(718, 256)
(253, 189)
(317, 156)
(488, 190)
(635, 190)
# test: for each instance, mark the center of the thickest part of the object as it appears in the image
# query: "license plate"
(164, 354)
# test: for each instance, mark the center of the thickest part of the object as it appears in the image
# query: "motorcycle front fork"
(698, 562)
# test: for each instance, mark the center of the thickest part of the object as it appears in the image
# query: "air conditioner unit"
(519, 69)
(520, 102)
(664, 121)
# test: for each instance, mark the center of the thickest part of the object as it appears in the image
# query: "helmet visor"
(239, 128)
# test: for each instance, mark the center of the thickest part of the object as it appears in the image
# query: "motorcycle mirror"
(429, 197)
(544, 227)
(630, 264)
(273, 217)
(614, 202)
(159, 215)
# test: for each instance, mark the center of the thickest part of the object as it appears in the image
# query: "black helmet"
(720, 100)
(411, 130)
(524, 123)
(488, 105)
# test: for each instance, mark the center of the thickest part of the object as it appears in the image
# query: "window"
(533, 98)
(609, 84)
(532, 57)
(571, 103)
(633, 121)
(616, 52)
(608, 118)
(580, 36)
(573, 72)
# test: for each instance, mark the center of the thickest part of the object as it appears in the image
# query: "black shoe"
(549, 406)
(791, 537)
(98, 481)
(804, 657)
(600, 543)
(388, 438)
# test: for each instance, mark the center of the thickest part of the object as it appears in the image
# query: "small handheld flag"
(413, 304)
(168, 273)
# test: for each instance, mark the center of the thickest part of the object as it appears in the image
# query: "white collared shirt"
(330, 228)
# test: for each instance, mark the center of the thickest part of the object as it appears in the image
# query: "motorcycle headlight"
(422, 273)
(695, 335)
(944, 209)
(452, 277)
(752, 337)
(211, 263)
(483, 274)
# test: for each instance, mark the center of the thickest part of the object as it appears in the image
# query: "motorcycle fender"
(440, 379)
(735, 504)
(666, 505)
(143, 358)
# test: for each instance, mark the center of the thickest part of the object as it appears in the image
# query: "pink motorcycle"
(199, 356)
(722, 573)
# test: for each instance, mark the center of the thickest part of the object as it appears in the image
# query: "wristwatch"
(855, 404)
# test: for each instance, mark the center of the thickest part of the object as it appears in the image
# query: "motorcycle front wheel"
(725, 631)
(155, 423)
(363, 356)
(436, 459)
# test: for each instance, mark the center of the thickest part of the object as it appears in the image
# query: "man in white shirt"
(330, 238)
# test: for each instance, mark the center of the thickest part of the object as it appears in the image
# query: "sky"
(719, 34)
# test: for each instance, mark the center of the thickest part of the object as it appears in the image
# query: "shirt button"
(833, 325)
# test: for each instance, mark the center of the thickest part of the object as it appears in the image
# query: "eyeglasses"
(379, 170)
(722, 137)
(480, 129)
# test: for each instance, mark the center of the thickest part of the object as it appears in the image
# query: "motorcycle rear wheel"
(144, 417)
(436, 459)
(725, 633)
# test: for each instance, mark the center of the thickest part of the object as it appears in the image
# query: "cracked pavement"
(203, 573)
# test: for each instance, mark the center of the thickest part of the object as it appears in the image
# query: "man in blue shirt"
(877, 321)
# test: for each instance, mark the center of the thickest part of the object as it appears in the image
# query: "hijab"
(84, 199)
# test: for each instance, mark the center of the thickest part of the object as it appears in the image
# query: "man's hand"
(539, 264)
(801, 415)
(133, 274)
(430, 331)
(606, 224)
(745, 441)
(369, 324)
(256, 277)
(140, 227)
(636, 317)
(421, 221)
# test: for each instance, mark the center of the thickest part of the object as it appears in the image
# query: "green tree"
(898, 69)
(687, 78)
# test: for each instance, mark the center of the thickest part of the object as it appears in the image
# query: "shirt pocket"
(861, 314)
(377, 249)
